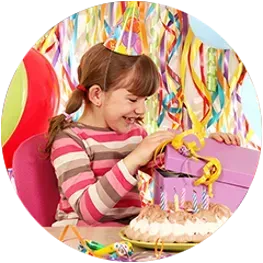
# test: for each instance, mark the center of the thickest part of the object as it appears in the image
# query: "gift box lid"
(238, 164)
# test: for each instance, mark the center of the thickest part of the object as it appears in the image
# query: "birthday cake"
(180, 226)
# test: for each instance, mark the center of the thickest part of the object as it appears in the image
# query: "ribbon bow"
(211, 170)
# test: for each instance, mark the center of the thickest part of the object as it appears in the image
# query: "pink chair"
(35, 180)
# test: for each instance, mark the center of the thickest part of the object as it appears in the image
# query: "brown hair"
(100, 66)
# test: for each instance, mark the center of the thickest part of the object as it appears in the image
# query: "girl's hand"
(148, 168)
(143, 153)
(227, 138)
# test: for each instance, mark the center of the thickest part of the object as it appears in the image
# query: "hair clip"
(68, 116)
(81, 87)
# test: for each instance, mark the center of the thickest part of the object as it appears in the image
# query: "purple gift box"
(238, 169)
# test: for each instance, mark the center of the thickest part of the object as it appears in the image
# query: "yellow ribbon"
(98, 253)
(49, 40)
(201, 86)
(76, 232)
(196, 124)
(228, 87)
(212, 168)
(156, 252)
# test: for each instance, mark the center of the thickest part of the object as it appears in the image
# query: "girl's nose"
(141, 107)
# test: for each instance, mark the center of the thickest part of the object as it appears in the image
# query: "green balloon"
(14, 103)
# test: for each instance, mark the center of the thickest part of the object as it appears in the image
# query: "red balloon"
(42, 102)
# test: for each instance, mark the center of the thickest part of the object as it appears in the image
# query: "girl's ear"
(95, 95)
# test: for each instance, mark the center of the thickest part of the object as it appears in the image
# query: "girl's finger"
(232, 139)
(216, 137)
(238, 140)
(226, 138)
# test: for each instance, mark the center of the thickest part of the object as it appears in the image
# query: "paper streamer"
(186, 66)
(167, 38)
(211, 70)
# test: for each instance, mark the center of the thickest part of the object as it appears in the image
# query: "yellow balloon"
(14, 103)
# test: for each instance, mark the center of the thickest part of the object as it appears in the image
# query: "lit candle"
(195, 208)
(176, 201)
(182, 199)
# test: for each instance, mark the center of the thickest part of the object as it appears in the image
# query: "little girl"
(96, 159)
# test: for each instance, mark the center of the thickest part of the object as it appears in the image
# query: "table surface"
(103, 235)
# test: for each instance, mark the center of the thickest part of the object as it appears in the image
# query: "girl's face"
(121, 109)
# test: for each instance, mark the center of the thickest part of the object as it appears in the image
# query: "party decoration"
(127, 36)
(14, 103)
(114, 251)
(195, 203)
(212, 169)
(145, 187)
(190, 95)
(205, 199)
(150, 119)
(163, 203)
(211, 70)
(119, 251)
(176, 202)
(182, 198)
(184, 151)
(143, 256)
(221, 176)
(41, 102)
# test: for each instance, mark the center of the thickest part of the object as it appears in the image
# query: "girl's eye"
(132, 100)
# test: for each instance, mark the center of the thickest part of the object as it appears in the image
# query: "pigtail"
(60, 122)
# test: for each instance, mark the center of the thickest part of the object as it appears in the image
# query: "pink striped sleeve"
(91, 198)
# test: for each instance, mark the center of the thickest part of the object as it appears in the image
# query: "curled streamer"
(166, 35)
(211, 70)
(196, 124)
(174, 96)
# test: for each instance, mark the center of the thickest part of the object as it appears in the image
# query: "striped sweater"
(94, 183)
